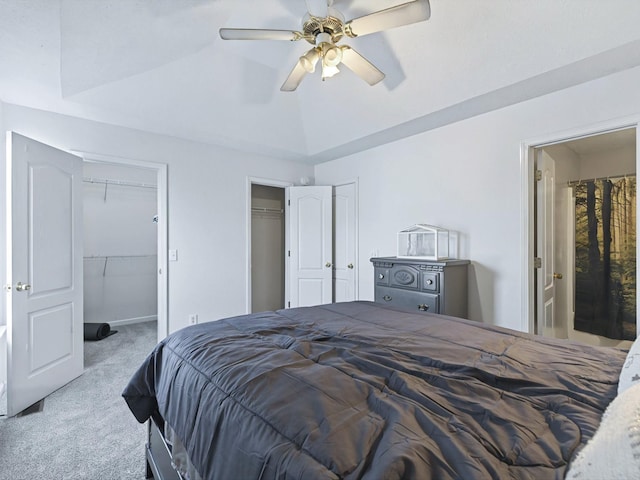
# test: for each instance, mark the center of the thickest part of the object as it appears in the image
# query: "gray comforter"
(358, 390)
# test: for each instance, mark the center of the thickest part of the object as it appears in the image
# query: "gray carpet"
(85, 430)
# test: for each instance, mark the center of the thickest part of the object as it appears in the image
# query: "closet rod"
(101, 257)
(106, 181)
(267, 210)
(573, 183)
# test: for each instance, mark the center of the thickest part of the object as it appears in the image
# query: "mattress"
(358, 390)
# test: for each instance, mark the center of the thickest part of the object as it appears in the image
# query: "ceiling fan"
(323, 27)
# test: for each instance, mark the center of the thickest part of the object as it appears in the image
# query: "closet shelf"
(106, 259)
(106, 182)
(267, 210)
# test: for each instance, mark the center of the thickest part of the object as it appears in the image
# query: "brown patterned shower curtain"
(606, 257)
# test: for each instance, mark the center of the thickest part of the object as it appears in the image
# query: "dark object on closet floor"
(97, 331)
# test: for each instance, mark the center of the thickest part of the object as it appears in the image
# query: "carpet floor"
(85, 429)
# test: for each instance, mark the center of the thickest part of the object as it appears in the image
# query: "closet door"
(44, 271)
(309, 251)
(344, 243)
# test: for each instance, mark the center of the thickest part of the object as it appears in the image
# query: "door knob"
(21, 287)
(350, 266)
(328, 264)
(557, 276)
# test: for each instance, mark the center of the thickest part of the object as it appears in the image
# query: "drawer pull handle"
(423, 307)
(387, 298)
(429, 282)
(380, 276)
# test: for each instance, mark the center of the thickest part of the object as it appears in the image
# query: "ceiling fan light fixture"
(332, 55)
(329, 71)
(310, 59)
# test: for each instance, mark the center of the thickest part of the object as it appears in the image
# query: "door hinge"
(538, 175)
(288, 304)
(537, 262)
(288, 253)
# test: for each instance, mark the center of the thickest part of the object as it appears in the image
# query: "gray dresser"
(435, 286)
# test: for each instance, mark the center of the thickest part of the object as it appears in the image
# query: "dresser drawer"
(382, 276)
(404, 276)
(407, 299)
(431, 282)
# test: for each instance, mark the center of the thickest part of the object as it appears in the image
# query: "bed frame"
(158, 452)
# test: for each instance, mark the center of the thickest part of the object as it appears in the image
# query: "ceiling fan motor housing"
(331, 25)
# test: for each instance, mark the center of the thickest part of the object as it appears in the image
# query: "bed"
(360, 390)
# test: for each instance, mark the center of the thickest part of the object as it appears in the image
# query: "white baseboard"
(130, 321)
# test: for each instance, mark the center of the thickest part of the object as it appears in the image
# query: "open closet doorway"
(585, 238)
(125, 242)
(266, 265)
(267, 248)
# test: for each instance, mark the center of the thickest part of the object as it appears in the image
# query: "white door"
(564, 261)
(545, 222)
(344, 243)
(44, 271)
(309, 245)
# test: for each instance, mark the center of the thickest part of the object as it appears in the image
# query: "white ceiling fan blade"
(295, 78)
(405, 14)
(259, 34)
(361, 66)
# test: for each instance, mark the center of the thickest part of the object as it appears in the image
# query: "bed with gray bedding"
(361, 391)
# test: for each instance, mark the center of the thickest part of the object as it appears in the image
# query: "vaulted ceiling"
(160, 66)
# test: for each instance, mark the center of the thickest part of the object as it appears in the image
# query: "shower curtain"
(605, 257)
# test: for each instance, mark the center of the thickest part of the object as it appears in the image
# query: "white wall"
(620, 161)
(120, 244)
(467, 177)
(207, 204)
